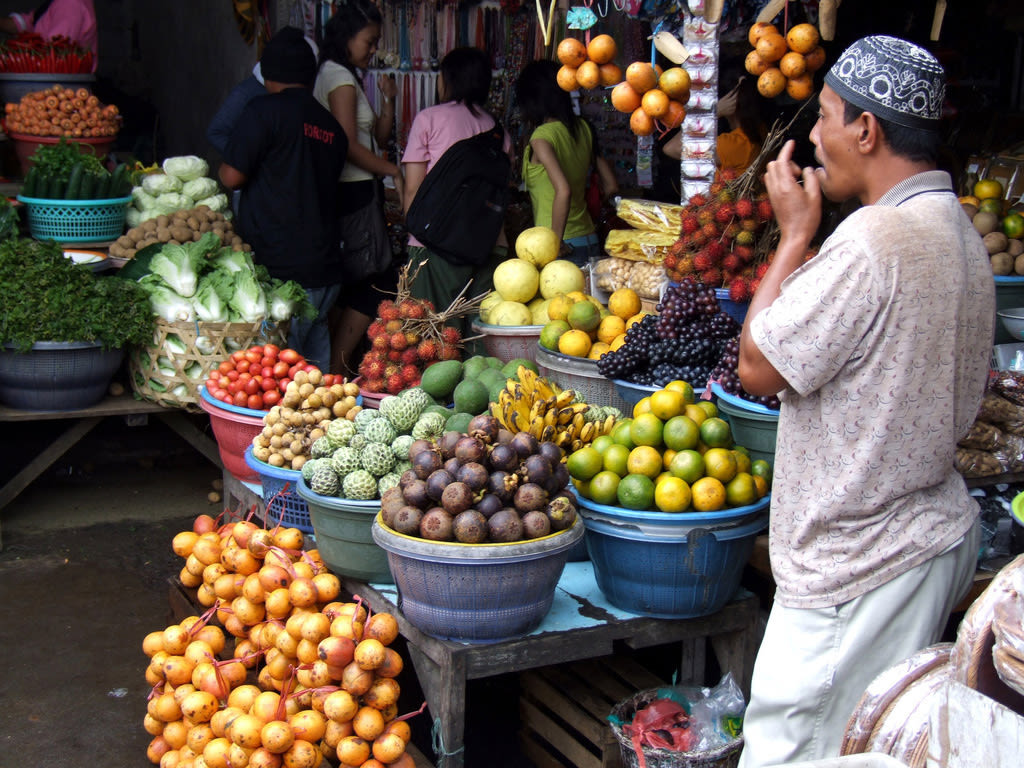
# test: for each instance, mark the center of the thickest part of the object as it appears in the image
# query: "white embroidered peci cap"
(893, 79)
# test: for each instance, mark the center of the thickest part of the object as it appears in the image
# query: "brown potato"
(1002, 263)
(1018, 264)
(995, 242)
(1014, 247)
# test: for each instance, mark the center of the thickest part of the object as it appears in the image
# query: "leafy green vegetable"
(47, 297)
(56, 161)
(207, 302)
(248, 302)
(179, 267)
(287, 299)
(164, 301)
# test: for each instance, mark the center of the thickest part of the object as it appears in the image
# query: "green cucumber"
(120, 183)
(55, 187)
(28, 188)
(74, 188)
(88, 189)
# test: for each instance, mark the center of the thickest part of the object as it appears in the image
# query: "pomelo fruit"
(492, 300)
(516, 280)
(511, 313)
(560, 276)
(537, 245)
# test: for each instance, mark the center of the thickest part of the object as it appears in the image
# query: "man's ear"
(869, 133)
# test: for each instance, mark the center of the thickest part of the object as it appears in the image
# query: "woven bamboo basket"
(173, 379)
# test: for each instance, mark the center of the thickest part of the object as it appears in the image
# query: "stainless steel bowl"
(1013, 321)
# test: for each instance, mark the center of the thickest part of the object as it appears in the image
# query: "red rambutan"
(374, 385)
(388, 310)
(764, 210)
(411, 308)
(725, 213)
(411, 339)
(410, 373)
(716, 250)
(705, 216)
(711, 231)
(712, 277)
(732, 229)
(732, 263)
(690, 224)
(698, 200)
(744, 207)
(410, 356)
(394, 355)
(745, 252)
(391, 369)
(380, 343)
(427, 350)
(685, 265)
(739, 289)
(376, 329)
(671, 260)
(451, 335)
(749, 225)
(716, 187)
(728, 174)
(393, 326)
(395, 384)
(374, 368)
(703, 261)
(448, 352)
(698, 240)
(398, 341)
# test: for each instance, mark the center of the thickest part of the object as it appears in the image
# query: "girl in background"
(558, 161)
(350, 40)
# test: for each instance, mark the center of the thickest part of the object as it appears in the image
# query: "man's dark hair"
(921, 146)
(467, 76)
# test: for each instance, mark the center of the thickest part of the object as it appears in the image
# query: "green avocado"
(439, 380)
(471, 397)
(512, 366)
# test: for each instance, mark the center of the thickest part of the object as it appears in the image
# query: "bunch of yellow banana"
(535, 405)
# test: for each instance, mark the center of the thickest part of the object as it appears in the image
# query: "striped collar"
(919, 184)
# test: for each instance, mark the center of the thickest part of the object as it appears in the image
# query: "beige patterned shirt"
(884, 338)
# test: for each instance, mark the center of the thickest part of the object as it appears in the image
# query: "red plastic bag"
(662, 724)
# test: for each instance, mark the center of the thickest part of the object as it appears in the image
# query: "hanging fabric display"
(700, 126)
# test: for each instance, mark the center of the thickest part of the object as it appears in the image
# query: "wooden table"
(82, 422)
(582, 624)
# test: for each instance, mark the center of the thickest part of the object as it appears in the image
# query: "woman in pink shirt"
(463, 85)
(75, 19)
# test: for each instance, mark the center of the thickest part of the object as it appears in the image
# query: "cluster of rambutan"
(399, 350)
(719, 239)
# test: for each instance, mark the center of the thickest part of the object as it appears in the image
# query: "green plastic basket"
(76, 221)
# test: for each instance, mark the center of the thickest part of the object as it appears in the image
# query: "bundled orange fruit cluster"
(784, 62)
(649, 94)
(588, 65)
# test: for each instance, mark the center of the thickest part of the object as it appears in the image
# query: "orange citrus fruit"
(771, 47)
(588, 75)
(574, 342)
(675, 81)
(695, 412)
(571, 52)
(683, 387)
(644, 460)
(610, 74)
(987, 188)
(642, 76)
(636, 319)
(771, 83)
(720, 464)
(680, 433)
(802, 38)
(741, 490)
(655, 102)
(801, 87)
(624, 303)
(610, 328)
(793, 64)
(597, 349)
(566, 78)
(643, 405)
(672, 494)
(743, 463)
(708, 494)
(815, 59)
(602, 49)
(624, 98)
(754, 64)
(759, 30)
(666, 403)
(675, 115)
(761, 468)
(614, 459)
(641, 123)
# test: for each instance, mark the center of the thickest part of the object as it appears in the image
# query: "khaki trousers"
(814, 664)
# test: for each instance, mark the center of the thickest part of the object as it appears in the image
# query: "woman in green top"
(558, 160)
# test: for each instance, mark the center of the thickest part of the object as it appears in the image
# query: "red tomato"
(254, 357)
(267, 362)
(293, 370)
(238, 355)
(257, 348)
(251, 387)
(282, 384)
(289, 356)
(271, 350)
(233, 375)
(255, 402)
(271, 398)
(267, 372)
(281, 369)
(244, 376)
(220, 394)
(224, 367)
(268, 383)
(235, 387)
(240, 399)
(242, 365)
(309, 367)
(211, 384)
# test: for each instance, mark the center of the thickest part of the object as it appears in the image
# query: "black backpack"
(460, 207)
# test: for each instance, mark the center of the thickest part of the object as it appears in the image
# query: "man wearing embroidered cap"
(878, 348)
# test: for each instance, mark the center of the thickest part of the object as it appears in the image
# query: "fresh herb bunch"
(59, 159)
(48, 297)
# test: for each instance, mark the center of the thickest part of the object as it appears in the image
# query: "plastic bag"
(971, 462)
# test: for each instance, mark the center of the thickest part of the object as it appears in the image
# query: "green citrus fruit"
(584, 463)
(709, 408)
(761, 468)
(740, 491)
(687, 465)
(716, 433)
(1013, 226)
(615, 459)
(621, 433)
(636, 492)
(603, 487)
(646, 429)
(601, 443)
(644, 460)
(552, 332)
(680, 433)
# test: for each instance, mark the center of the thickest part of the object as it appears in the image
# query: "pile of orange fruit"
(588, 65)
(784, 62)
(650, 94)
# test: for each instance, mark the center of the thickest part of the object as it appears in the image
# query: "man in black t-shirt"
(286, 153)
